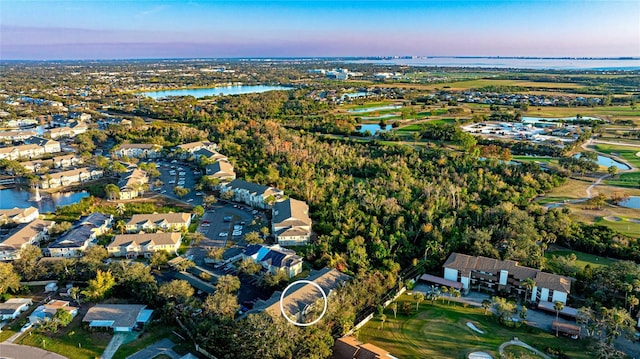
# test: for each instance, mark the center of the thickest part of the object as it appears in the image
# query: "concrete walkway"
(160, 347)
(13, 338)
(116, 341)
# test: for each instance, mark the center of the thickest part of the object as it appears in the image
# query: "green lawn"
(368, 105)
(151, 334)
(630, 179)
(555, 199)
(623, 226)
(73, 341)
(440, 331)
(583, 258)
(410, 128)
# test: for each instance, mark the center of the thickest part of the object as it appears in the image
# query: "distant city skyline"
(39, 30)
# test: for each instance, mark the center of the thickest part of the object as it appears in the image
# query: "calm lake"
(608, 162)
(632, 202)
(214, 91)
(15, 197)
(373, 128)
(517, 63)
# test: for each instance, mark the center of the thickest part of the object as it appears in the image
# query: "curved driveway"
(15, 351)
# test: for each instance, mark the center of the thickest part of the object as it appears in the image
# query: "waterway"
(16, 197)
(608, 162)
(373, 128)
(513, 63)
(632, 202)
(373, 109)
(214, 91)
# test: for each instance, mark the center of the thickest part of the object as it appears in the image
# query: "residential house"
(300, 298)
(22, 151)
(49, 146)
(81, 116)
(133, 245)
(72, 130)
(61, 121)
(48, 311)
(274, 258)
(253, 194)
(13, 136)
(351, 348)
(19, 215)
(209, 155)
(138, 150)
(10, 309)
(67, 178)
(291, 224)
(81, 236)
(30, 233)
(222, 170)
(113, 121)
(159, 221)
(132, 184)
(118, 317)
(65, 161)
(37, 166)
(186, 150)
(506, 276)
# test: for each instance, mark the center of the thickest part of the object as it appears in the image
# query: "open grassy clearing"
(582, 258)
(440, 331)
(571, 189)
(629, 180)
(73, 341)
(606, 216)
(368, 105)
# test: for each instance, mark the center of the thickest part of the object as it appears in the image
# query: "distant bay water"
(603, 64)
(214, 91)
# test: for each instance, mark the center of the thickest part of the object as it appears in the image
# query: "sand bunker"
(474, 328)
(479, 355)
(612, 219)
(638, 154)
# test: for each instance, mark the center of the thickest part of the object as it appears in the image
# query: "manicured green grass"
(442, 121)
(6, 333)
(440, 331)
(624, 226)
(409, 128)
(556, 199)
(152, 334)
(630, 180)
(531, 158)
(582, 258)
(73, 341)
(626, 152)
(368, 105)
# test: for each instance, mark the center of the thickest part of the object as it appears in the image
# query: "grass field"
(629, 180)
(582, 258)
(73, 341)
(368, 105)
(440, 331)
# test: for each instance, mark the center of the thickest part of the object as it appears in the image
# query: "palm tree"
(528, 284)
(486, 304)
(120, 226)
(558, 306)
(120, 209)
(445, 290)
(457, 294)
(419, 297)
(394, 308)
(383, 318)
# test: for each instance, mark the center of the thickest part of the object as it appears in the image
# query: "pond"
(632, 202)
(15, 197)
(214, 91)
(355, 95)
(608, 162)
(373, 109)
(373, 128)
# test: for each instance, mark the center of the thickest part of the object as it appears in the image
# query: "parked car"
(237, 233)
(223, 234)
(26, 327)
(227, 219)
(190, 200)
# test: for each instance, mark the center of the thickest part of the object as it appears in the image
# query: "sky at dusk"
(93, 29)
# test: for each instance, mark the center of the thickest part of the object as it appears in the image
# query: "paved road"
(160, 347)
(15, 351)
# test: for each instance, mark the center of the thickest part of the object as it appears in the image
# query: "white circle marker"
(324, 296)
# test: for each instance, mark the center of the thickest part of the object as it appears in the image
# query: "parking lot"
(181, 174)
(213, 224)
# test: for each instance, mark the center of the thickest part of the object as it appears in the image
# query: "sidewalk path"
(160, 347)
(521, 344)
(115, 343)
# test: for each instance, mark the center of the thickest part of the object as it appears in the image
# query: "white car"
(199, 193)
(172, 182)
(237, 233)
(182, 173)
(163, 191)
(181, 183)
(190, 200)
(26, 327)
(237, 227)
(223, 234)
(174, 161)
(172, 173)
(205, 224)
